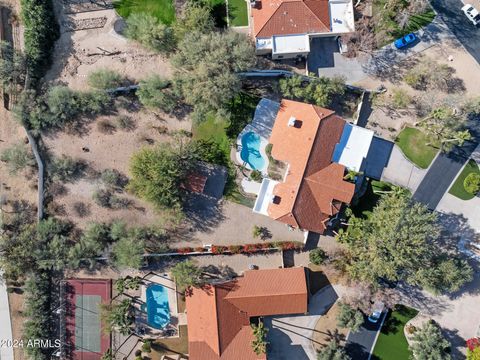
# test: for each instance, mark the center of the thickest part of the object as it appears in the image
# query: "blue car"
(404, 41)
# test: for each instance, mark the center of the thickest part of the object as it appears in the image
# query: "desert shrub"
(124, 122)
(472, 183)
(150, 32)
(40, 32)
(117, 202)
(66, 168)
(155, 92)
(17, 157)
(317, 256)
(104, 79)
(80, 209)
(105, 127)
(400, 98)
(102, 197)
(257, 231)
(62, 105)
(256, 175)
(113, 179)
(411, 329)
(235, 249)
(147, 346)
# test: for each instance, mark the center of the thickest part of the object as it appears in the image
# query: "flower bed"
(238, 249)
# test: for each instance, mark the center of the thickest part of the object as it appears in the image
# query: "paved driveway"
(401, 171)
(360, 344)
(450, 12)
(291, 337)
(325, 60)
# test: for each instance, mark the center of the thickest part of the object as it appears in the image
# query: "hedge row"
(41, 31)
(243, 249)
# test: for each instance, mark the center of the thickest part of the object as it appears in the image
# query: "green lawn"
(457, 188)
(414, 146)
(221, 134)
(391, 343)
(237, 12)
(161, 9)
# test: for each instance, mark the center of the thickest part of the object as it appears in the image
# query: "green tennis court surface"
(87, 323)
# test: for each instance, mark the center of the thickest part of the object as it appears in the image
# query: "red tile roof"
(286, 17)
(195, 183)
(314, 188)
(219, 315)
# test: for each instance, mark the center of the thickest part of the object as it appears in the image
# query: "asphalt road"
(451, 13)
(360, 343)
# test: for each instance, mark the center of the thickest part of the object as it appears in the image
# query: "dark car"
(405, 41)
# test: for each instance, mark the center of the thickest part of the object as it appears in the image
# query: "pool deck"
(175, 318)
(262, 125)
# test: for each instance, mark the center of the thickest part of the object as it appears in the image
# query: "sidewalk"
(6, 352)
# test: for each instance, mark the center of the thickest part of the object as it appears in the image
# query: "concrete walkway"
(401, 171)
(291, 337)
(6, 352)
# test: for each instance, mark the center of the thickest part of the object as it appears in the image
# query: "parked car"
(472, 14)
(406, 40)
(377, 311)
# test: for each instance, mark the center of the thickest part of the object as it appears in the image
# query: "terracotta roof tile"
(314, 187)
(219, 316)
(285, 17)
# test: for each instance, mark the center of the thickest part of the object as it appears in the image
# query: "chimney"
(292, 121)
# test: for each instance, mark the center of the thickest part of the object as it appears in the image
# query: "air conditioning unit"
(291, 121)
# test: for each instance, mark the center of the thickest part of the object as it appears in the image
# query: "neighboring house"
(219, 315)
(283, 28)
(319, 147)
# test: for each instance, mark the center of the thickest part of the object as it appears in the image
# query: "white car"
(377, 310)
(472, 14)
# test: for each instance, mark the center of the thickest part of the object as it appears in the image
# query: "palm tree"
(259, 344)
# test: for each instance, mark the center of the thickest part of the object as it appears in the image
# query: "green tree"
(195, 17)
(317, 256)
(117, 317)
(12, 69)
(150, 32)
(349, 317)
(90, 246)
(472, 183)
(105, 79)
(319, 91)
(157, 173)
(38, 299)
(259, 343)
(17, 157)
(128, 253)
(399, 241)
(155, 92)
(206, 67)
(333, 351)
(428, 343)
(186, 274)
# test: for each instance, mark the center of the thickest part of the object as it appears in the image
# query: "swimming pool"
(250, 152)
(158, 309)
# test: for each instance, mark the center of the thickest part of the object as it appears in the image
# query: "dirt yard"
(326, 329)
(387, 123)
(77, 53)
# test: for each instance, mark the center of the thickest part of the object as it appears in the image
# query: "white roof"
(288, 44)
(353, 147)
(341, 16)
(265, 196)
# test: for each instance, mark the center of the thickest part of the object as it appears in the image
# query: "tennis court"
(85, 335)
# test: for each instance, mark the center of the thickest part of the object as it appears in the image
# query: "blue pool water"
(158, 312)
(250, 152)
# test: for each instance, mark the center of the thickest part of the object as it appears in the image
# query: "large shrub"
(40, 32)
(17, 157)
(472, 183)
(154, 92)
(150, 32)
(317, 256)
(104, 79)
